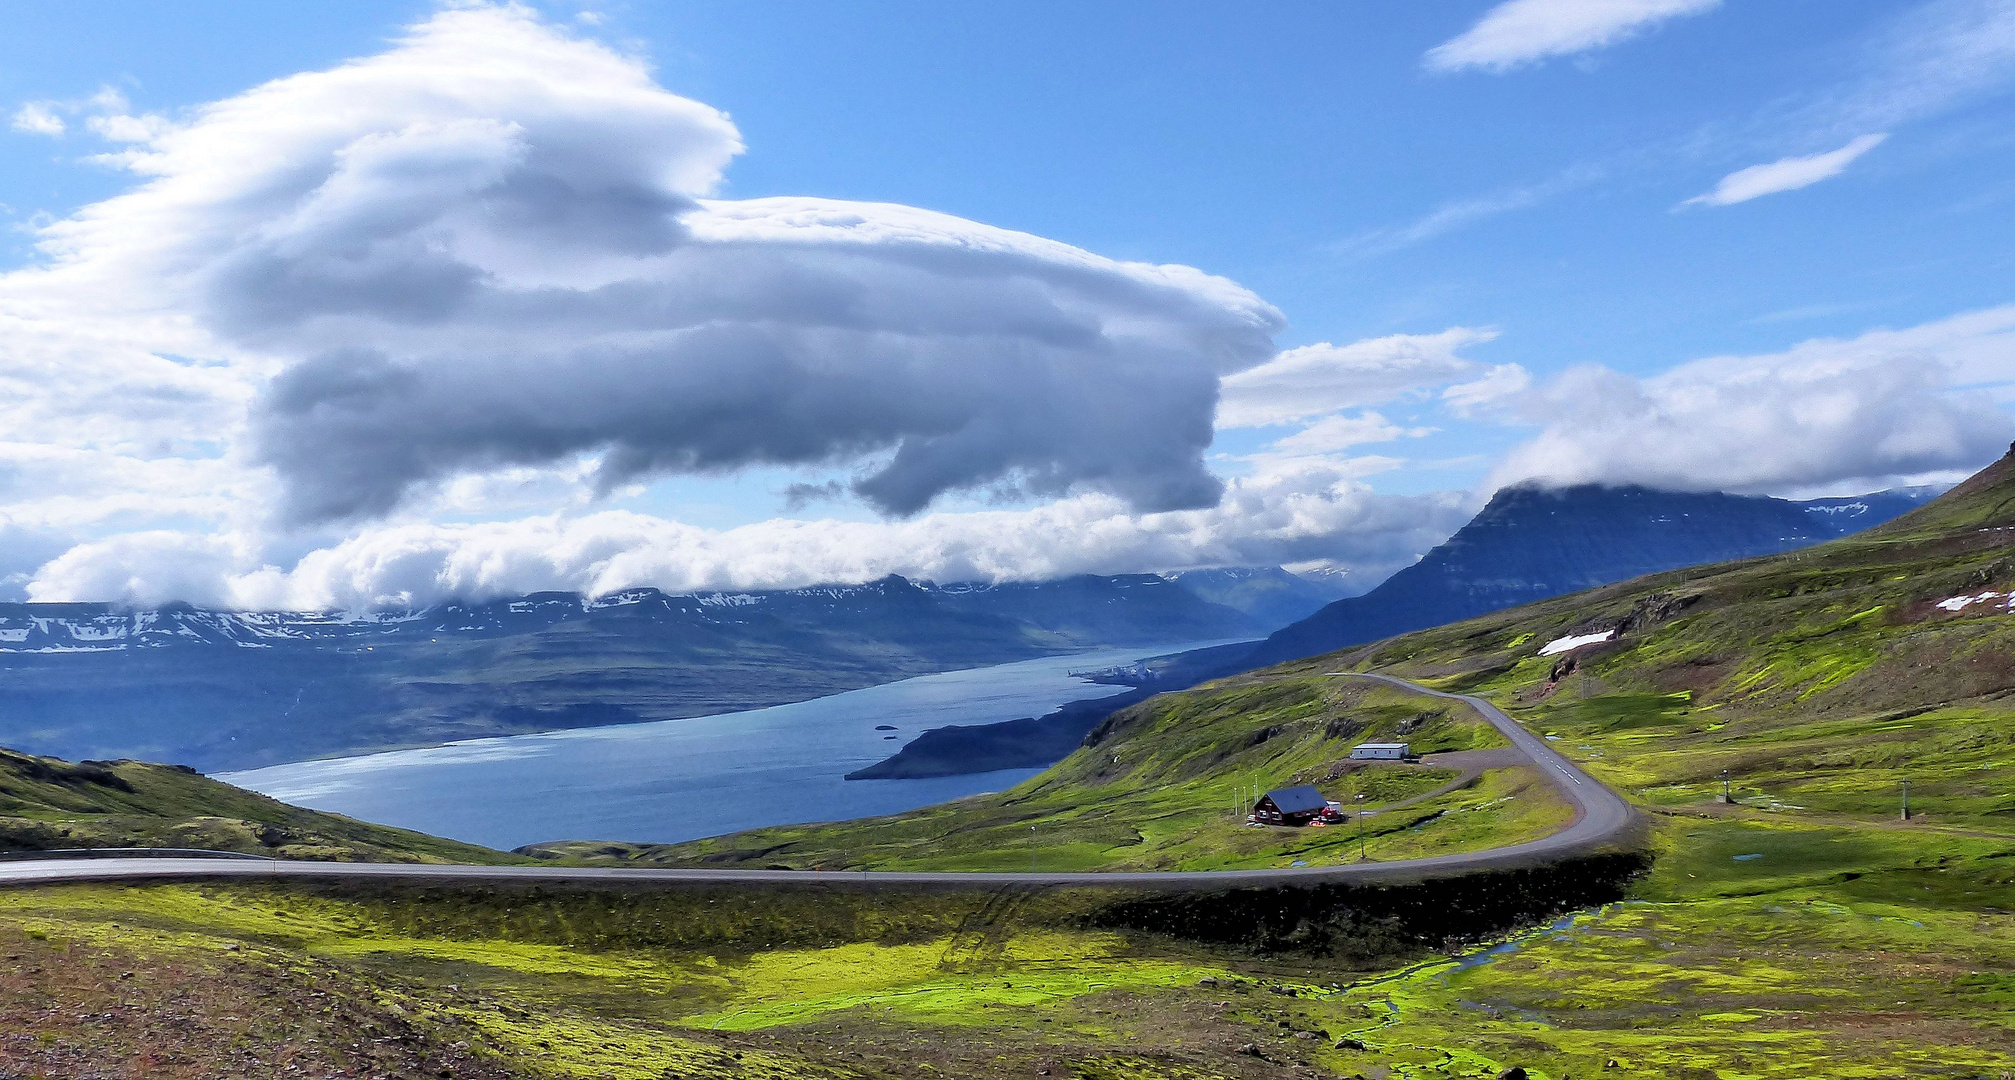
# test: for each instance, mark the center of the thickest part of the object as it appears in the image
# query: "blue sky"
(1373, 172)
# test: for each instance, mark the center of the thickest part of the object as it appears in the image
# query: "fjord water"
(683, 779)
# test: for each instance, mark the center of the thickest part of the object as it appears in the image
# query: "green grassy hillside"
(1819, 682)
(1159, 786)
(180, 982)
(1838, 953)
(47, 803)
(1803, 930)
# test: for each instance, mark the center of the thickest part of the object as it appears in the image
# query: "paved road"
(1600, 816)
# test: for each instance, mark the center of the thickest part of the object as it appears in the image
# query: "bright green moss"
(1790, 983)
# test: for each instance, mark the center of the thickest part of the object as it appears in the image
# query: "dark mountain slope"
(1527, 544)
(1530, 543)
(1821, 680)
(224, 690)
(1985, 500)
(1271, 595)
(1122, 609)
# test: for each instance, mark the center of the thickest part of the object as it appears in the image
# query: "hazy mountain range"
(224, 689)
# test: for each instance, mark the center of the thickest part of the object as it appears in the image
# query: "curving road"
(1601, 816)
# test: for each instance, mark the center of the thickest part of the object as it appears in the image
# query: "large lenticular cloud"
(494, 245)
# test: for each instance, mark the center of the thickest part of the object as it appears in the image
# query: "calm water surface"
(682, 779)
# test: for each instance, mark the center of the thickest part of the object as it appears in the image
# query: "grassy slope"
(1840, 953)
(636, 987)
(1159, 789)
(1800, 932)
(1755, 949)
(1805, 929)
(1819, 680)
(46, 803)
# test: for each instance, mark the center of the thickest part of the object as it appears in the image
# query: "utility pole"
(1031, 849)
(1906, 798)
(1357, 805)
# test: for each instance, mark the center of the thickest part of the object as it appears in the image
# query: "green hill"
(47, 803)
(1802, 930)
(1164, 785)
(1819, 681)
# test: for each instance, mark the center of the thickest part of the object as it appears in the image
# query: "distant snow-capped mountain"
(1271, 595)
(1135, 608)
(233, 689)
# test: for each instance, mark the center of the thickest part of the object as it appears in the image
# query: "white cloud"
(110, 118)
(1315, 380)
(38, 118)
(1520, 32)
(1888, 407)
(1309, 511)
(485, 275)
(146, 568)
(1443, 219)
(121, 127)
(1785, 174)
(494, 247)
(1333, 433)
(1500, 384)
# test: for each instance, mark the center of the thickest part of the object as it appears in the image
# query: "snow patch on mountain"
(1961, 603)
(1575, 641)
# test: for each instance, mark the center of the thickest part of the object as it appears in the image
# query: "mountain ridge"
(1498, 559)
(27, 626)
(229, 690)
(1815, 681)
(1440, 588)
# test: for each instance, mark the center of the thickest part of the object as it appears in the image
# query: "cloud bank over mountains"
(1307, 515)
(420, 325)
(1825, 417)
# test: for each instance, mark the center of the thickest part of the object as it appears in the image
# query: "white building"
(1381, 751)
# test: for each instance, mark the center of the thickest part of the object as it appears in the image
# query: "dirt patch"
(75, 1009)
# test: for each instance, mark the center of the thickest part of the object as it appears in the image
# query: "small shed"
(1381, 751)
(1290, 806)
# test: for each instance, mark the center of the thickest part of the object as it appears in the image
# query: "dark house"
(1289, 806)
